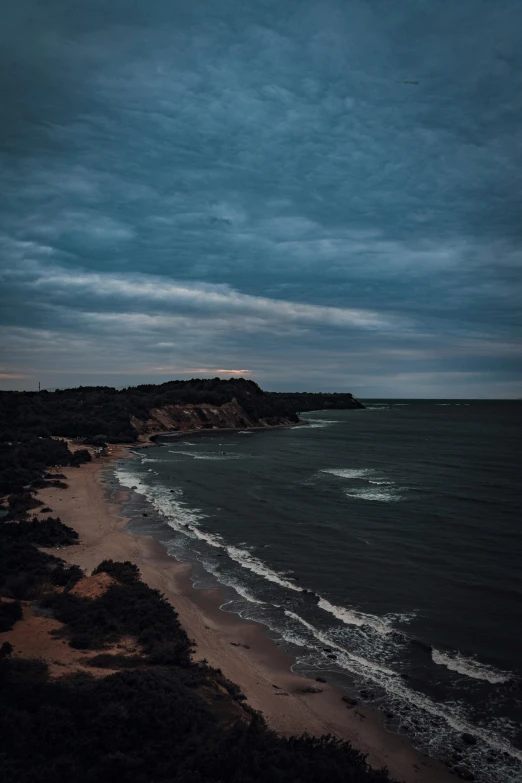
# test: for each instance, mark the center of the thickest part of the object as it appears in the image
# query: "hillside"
(120, 414)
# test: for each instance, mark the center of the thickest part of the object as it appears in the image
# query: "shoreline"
(241, 648)
(150, 438)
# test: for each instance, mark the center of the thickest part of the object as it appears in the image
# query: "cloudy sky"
(319, 195)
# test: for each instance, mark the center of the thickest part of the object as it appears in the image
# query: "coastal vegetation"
(300, 402)
(101, 411)
(98, 414)
(159, 717)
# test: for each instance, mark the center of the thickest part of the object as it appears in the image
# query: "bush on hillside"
(10, 613)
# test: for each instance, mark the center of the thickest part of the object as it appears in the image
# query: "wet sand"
(240, 648)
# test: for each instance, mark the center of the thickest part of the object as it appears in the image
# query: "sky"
(320, 196)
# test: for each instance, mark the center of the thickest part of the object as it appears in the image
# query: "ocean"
(382, 546)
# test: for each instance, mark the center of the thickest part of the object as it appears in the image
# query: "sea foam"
(318, 424)
(380, 495)
(352, 617)
(349, 473)
(469, 667)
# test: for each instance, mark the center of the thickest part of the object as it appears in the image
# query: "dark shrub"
(10, 613)
(45, 532)
(80, 457)
(6, 649)
(126, 573)
(82, 641)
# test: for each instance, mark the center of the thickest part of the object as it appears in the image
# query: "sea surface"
(382, 546)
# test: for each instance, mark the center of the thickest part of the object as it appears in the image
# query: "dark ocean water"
(383, 545)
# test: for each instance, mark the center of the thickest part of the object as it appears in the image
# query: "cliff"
(115, 415)
(229, 415)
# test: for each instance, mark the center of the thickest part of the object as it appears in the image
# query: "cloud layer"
(258, 187)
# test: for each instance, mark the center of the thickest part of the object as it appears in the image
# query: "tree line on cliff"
(89, 411)
(96, 414)
(301, 402)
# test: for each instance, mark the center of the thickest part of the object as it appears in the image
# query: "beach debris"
(276, 686)
(469, 738)
(313, 689)
(144, 514)
(350, 701)
(320, 679)
(281, 693)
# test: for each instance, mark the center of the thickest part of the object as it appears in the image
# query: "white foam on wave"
(239, 588)
(393, 684)
(319, 424)
(400, 617)
(370, 481)
(248, 561)
(187, 521)
(349, 473)
(380, 495)
(469, 667)
(165, 501)
(352, 617)
(215, 457)
(363, 666)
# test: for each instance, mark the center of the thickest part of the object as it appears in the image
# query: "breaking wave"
(469, 667)
(382, 495)
(349, 473)
(214, 457)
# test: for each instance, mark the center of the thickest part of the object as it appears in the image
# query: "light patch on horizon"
(210, 370)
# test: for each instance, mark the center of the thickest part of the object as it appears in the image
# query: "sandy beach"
(241, 649)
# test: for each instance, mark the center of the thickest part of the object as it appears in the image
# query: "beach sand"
(241, 649)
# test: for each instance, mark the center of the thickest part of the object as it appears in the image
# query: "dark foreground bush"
(126, 573)
(10, 613)
(117, 661)
(26, 572)
(6, 650)
(19, 504)
(79, 457)
(45, 532)
(145, 727)
(123, 610)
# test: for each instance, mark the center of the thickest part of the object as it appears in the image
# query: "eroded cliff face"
(230, 415)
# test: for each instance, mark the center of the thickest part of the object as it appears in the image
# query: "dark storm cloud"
(262, 186)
